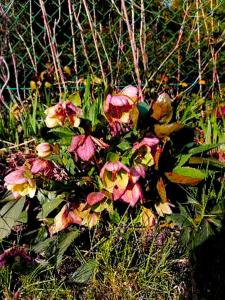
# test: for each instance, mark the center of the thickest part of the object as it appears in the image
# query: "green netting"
(168, 41)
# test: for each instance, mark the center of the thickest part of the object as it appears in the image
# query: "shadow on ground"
(209, 268)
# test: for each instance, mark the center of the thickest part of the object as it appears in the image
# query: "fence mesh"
(123, 42)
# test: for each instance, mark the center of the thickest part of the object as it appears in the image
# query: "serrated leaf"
(42, 246)
(85, 272)
(9, 215)
(191, 172)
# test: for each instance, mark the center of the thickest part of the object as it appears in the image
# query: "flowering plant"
(116, 153)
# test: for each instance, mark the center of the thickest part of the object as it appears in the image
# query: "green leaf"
(143, 108)
(124, 145)
(9, 215)
(85, 272)
(44, 245)
(190, 172)
(49, 205)
(67, 240)
(112, 156)
(62, 132)
(203, 148)
(209, 161)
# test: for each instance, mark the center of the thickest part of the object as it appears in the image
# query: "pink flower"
(21, 182)
(143, 152)
(95, 197)
(122, 182)
(44, 149)
(146, 142)
(121, 108)
(62, 112)
(130, 195)
(42, 166)
(84, 146)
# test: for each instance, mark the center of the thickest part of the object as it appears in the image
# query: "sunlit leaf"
(147, 217)
(166, 129)
(186, 175)
(162, 110)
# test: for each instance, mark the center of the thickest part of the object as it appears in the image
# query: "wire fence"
(144, 42)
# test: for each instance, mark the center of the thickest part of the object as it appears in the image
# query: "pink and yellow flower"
(83, 146)
(143, 151)
(58, 114)
(21, 182)
(114, 174)
(42, 166)
(79, 214)
(45, 150)
(121, 108)
(122, 182)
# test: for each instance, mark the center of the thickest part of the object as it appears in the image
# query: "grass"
(127, 264)
(116, 260)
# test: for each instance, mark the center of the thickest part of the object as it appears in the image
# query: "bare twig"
(94, 38)
(133, 47)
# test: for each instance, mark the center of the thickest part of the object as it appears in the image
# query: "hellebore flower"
(79, 214)
(143, 152)
(121, 108)
(95, 197)
(42, 166)
(63, 219)
(122, 182)
(21, 182)
(45, 149)
(84, 146)
(130, 195)
(62, 112)
(114, 174)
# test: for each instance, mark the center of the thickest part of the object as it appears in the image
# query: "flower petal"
(95, 197)
(16, 177)
(87, 150)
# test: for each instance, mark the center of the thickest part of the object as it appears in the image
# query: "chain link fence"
(143, 42)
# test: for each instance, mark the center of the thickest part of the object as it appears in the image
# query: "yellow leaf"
(177, 178)
(148, 219)
(166, 129)
(162, 110)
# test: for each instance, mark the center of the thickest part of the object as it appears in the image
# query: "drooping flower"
(95, 197)
(114, 174)
(130, 195)
(122, 182)
(143, 151)
(84, 146)
(62, 112)
(42, 166)
(120, 108)
(45, 149)
(21, 182)
(79, 214)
